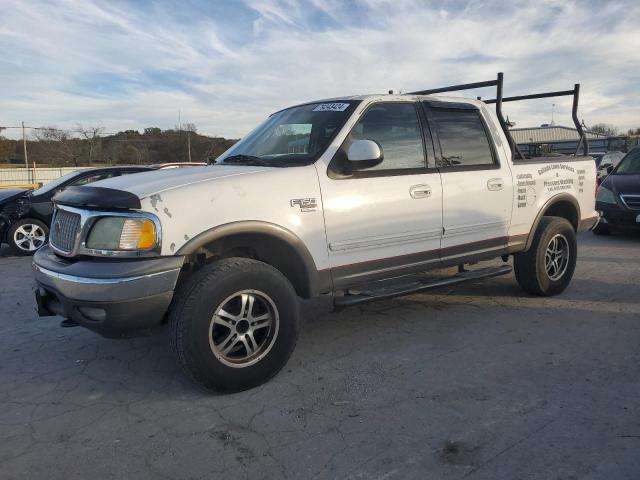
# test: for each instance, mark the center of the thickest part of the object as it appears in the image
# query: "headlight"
(605, 195)
(122, 233)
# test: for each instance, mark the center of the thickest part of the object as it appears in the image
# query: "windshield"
(295, 136)
(55, 183)
(630, 165)
(611, 158)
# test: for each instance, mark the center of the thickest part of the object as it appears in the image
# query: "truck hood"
(153, 182)
(8, 194)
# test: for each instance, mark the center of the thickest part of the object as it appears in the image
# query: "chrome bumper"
(106, 289)
(106, 296)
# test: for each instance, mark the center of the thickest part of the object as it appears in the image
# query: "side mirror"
(364, 154)
(609, 169)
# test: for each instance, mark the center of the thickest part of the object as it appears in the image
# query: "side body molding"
(314, 281)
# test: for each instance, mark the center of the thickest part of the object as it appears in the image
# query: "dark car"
(618, 197)
(608, 162)
(25, 215)
(597, 156)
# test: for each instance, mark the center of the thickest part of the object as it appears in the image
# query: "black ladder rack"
(583, 142)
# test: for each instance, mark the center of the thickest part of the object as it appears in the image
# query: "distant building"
(547, 139)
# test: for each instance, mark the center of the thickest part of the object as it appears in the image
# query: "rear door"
(476, 184)
(387, 220)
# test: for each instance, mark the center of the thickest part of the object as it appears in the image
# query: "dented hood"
(8, 194)
(153, 182)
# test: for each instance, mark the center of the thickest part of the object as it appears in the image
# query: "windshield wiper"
(241, 159)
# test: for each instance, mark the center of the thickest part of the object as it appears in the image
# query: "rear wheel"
(547, 267)
(27, 235)
(234, 324)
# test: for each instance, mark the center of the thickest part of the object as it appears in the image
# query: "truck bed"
(554, 159)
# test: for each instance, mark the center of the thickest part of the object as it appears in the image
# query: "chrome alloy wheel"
(556, 257)
(243, 328)
(29, 237)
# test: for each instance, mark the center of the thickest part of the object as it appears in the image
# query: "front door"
(387, 220)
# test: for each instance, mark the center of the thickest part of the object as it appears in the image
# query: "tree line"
(612, 131)
(50, 146)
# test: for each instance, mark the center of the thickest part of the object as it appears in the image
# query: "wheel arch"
(269, 243)
(563, 206)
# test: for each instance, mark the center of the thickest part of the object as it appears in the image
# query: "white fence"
(21, 176)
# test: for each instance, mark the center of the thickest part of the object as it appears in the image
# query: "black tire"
(192, 325)
(601, 230)
(531, 267)
(27, 246)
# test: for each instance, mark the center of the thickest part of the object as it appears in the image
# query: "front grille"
(64, 229)
(631, 201)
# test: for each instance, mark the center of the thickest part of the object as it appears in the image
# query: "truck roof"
(393, 98)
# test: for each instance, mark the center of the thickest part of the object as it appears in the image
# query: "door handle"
(420, 191)
(495, 184)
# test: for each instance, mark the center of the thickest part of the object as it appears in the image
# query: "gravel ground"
(482, 381)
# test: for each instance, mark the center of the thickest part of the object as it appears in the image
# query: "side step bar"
(367, 296)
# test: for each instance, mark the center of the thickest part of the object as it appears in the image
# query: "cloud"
(227, 65)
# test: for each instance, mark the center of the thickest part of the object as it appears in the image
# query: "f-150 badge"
(305, 204)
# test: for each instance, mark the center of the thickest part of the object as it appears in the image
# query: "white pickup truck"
(355, 197)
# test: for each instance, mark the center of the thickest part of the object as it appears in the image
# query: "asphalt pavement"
(481, 381)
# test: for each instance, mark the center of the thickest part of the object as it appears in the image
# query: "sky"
(226, 65)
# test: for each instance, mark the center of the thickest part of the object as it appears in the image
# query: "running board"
(366, 296)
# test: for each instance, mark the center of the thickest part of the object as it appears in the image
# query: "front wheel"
(547, 267)
(27, 235)
(234, 324)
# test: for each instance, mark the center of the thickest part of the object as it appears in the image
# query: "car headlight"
(123, 233)
(605, 195)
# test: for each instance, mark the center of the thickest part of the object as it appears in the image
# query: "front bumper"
(107, 296)
(5, 223)
(615, 216)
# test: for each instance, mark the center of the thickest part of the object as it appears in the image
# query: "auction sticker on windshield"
(331, 107)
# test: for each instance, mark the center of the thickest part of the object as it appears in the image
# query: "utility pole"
(24, 144)
(189, 144)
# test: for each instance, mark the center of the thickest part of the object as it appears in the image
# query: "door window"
(463, 138)
(129, 172)
(92, 178)
(395, 126)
